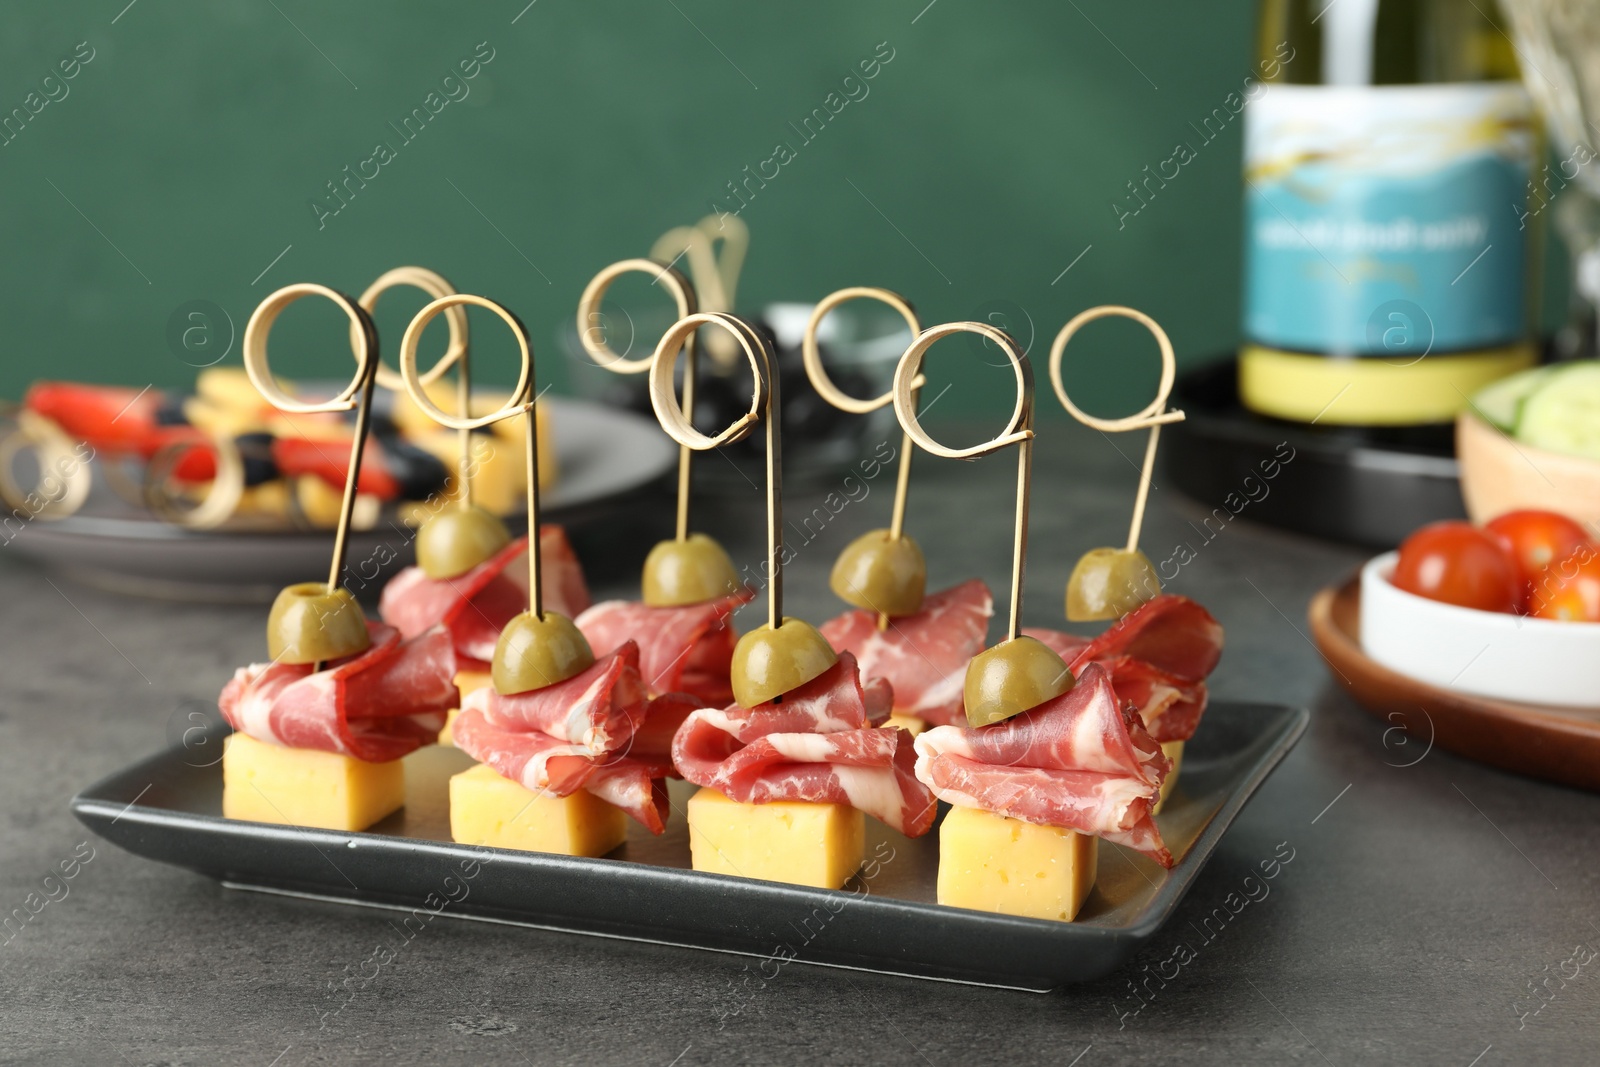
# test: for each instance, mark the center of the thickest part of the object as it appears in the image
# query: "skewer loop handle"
(521, 401)
(593, 339)
(813, 355)
(908, 372)
(435, 285)
(363, 342)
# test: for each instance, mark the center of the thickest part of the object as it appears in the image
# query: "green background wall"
(983, 161)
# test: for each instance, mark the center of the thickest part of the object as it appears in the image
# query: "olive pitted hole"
(310, 623)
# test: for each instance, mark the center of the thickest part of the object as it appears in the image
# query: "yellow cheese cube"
(1174, 751)
(990, 862)
(321, 504)
(269, 498)
(230, 388)
(907, 722)
(488, 809)
(784, 841)
(499, 475)
(466, 682)
(514, 431)
(302, 787)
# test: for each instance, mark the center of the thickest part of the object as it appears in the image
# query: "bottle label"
(1387, 221)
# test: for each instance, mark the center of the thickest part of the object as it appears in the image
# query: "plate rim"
(1400, 694)
(112, 529)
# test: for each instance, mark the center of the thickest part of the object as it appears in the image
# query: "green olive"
(533, 653)
(691, 571)
(768, 663)
(457, 540)
(881, 573)
(1108, 583)
(1013, 677)
(311, 623)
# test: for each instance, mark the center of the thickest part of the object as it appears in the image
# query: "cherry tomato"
(1534, 540)
(1569, 590)
(1459, 564)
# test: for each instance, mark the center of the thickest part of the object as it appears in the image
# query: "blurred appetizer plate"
(168, 808)
(604, 456)
(1558, 744)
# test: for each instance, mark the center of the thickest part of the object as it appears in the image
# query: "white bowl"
(1486, 653)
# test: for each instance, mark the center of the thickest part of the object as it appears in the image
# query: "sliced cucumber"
(1563, 413)
(1498, 402)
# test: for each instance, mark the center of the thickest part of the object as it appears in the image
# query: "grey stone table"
(1427, 898)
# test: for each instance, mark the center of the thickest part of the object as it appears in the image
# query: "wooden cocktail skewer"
(455, 355)
(1020, 672)
(594, 343)
(830, 392)
(1107, 583)
(785, 653)
(716, 277)
(691, 568)
(452, 542)
(339, 627)
(1018, 431)
(537, 648)
(520, 403)
(227, 487)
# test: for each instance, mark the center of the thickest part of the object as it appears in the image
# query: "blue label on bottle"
(1387, 221)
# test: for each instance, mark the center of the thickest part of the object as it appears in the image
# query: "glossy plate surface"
(168, 808)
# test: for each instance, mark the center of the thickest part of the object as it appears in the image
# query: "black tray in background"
(168, 808)
(1369, 486)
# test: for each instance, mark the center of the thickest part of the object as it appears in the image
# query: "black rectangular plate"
(169, 808)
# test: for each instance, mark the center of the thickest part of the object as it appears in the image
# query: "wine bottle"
(1391, 256)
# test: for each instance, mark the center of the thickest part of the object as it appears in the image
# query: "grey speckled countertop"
(1422, 905)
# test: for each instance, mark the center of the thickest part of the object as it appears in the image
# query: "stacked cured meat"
(823, 743)
(324, 747)
(476, 606)
(377, 706)
(592, 732)
(684, 649)
(923, 656)
(1158, 657)
(1032, 791)
(1082, 761)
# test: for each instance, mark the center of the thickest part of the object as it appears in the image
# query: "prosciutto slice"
(923, 656)
(476, 606)
(577, 734)
(1158, 656)
(684, 649)
(819, 744)
(377, 706)
(1082, 761)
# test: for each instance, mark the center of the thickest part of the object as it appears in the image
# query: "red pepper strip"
(196, 466)
(330, 461)
(115, 420)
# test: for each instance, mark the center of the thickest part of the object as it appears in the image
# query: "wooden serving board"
(1555, 744)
